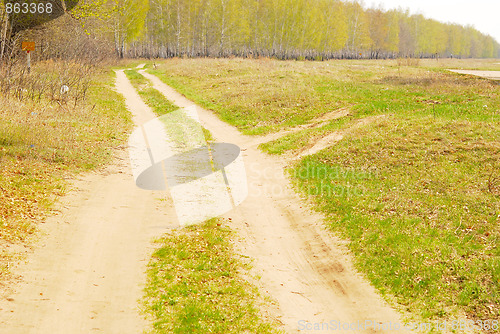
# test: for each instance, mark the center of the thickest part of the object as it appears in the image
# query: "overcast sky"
(484, 15)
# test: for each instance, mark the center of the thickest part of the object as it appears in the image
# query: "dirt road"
(86, 276)
(494, 75)
(302, 266)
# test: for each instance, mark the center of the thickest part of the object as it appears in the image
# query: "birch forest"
(283, 29)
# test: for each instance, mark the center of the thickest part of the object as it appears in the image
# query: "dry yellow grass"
(44, 142)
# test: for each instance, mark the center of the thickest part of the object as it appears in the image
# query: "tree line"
(309, 29)
(284, 29)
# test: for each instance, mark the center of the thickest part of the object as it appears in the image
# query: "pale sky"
(484, 15)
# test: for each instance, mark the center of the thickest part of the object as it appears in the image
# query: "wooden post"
(29, 61)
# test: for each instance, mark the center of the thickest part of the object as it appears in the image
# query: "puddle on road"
(171, 153)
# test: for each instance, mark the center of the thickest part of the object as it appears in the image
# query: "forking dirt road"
(87, 273)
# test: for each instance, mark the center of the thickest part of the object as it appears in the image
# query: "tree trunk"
(3, 40)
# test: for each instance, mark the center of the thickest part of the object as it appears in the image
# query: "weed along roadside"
(411, 185)
(45, 139)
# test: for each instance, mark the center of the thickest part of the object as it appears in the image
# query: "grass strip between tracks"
(196, 285)
(195, 278)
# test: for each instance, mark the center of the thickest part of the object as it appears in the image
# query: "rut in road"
(302, 266)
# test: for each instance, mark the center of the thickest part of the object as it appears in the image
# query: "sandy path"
(302, 266)
(85, 275)
(494, 75)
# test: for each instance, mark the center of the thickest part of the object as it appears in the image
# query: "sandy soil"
(86, 274)
(494, 75)
(314, 123)
(303, 267)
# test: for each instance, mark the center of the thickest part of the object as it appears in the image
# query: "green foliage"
(195, 285)
(303, 29)
(129, 17)
(416, 192)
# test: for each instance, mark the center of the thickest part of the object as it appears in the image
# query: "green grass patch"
(286, 143)
(264, 96)
(151, 96)
(418, 200)
(195, 285)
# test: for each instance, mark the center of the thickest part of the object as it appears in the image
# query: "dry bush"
(45, 81)
(66, 39)
(65, 54)
(408, 61)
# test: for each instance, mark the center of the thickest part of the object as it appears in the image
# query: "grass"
(42, 144)
(415, 202)
(417, 193)
(151, 96)
(195, 285)
(264, 96)
(196, 281)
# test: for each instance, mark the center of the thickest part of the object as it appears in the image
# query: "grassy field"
(417, 191)
(44, 142)
(195, 285)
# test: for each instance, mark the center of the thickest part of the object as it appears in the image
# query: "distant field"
(416, 190)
